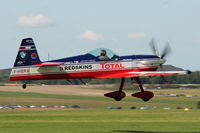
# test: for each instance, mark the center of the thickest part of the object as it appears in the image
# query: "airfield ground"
(96, 118)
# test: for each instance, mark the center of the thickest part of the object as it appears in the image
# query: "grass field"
(98, 119)
(93, 102)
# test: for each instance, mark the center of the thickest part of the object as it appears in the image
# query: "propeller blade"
(154, 47)
(166, 51)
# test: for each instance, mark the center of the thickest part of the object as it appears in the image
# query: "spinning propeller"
(154, 48)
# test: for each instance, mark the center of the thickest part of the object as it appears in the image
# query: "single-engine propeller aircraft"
(99, 63)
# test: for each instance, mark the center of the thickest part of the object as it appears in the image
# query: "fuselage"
(84, 66)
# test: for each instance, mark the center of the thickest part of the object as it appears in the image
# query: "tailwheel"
(24, 86)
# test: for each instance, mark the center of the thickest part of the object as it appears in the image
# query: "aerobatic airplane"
(99, 63)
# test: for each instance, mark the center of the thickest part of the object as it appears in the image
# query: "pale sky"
(66, 28)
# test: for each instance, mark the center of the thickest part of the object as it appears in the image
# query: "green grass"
(40, 95)
(92, 101)
(100, 121)
(97, 119)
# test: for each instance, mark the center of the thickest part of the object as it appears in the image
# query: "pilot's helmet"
(103, 52)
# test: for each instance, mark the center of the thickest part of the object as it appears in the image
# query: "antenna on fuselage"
(49, 56)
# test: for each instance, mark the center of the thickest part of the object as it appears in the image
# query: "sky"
(63, 28)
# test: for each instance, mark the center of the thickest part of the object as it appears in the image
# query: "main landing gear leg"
(144, 95)
(117, 95)
(163, 78)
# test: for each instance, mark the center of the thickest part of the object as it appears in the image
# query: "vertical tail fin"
(27, 54)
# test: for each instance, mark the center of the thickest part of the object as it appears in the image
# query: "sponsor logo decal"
(76, 67)
(29, 41)
(20, 62)
(33, 61)
(111, 66)
(23, 55)
(34, 56)
(61, 68)
(30, 47)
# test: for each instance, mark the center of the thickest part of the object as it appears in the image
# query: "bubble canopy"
(96, 52)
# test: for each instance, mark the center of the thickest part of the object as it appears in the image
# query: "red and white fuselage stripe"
(83, 70)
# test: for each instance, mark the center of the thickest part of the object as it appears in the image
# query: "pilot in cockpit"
(103, 56)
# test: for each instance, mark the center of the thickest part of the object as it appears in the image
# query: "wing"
(145, 74)
(49, 64)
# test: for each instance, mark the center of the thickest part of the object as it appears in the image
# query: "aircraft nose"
(163, 60)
